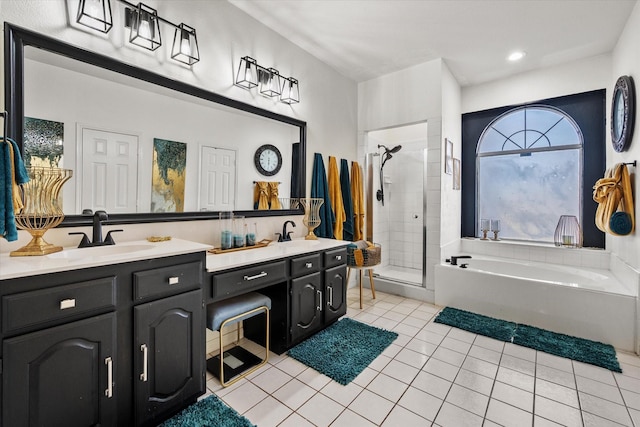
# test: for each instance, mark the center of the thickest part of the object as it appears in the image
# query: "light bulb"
(144, 30)
(185, 46)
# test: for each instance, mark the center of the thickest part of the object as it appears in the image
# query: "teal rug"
(580, 349)
(208, 412)
(344, 349)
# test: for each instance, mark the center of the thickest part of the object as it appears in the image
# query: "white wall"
(225, 34)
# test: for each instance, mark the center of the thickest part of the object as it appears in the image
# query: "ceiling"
(364, 39)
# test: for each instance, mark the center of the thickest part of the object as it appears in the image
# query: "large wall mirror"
(125, 132)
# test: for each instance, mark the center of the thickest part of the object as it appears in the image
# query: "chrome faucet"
(98, 217)
(454, 259)
(285, 236)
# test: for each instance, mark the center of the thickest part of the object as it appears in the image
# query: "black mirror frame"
(16, 38)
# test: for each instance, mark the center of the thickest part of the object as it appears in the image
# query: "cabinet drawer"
(304, 265)
(335, 257)
(28, 309)
(247, 279)
(167, 280)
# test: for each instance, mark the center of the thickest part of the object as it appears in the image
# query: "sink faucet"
(98, 217)
(454, 259)
(285, 236)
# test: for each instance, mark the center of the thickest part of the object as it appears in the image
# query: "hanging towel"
(615, 212)
(345, 184)
(13, 173)
(357, 195)
(335, 194)
(274, 202)
(320, 189)
(261, 195)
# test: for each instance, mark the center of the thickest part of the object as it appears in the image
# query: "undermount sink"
(98, 251)
(301, 243)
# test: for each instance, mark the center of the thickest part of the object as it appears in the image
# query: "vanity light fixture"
(185, 45)
(145, 28)
(290, 91)
(272, 83)
(95, 14)
(144, 24)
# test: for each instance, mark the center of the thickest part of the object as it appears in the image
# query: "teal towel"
(620, 223)
(345, 185)
(320, 189)
(8, 228)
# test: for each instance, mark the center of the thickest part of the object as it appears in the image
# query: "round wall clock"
(268, 160)
(622, 113)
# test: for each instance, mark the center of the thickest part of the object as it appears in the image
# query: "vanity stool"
(237, 362)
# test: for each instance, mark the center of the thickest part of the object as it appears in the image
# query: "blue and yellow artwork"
(168, 176)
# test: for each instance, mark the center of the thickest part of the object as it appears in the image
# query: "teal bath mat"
(208, 412)
(580, 349)
(344, 349)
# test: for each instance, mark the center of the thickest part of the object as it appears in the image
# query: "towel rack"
(5, 117)
(634, 163)
(255, 182)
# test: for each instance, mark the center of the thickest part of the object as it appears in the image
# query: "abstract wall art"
(168, 176)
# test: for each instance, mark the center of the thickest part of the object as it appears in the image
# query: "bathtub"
(582, 302)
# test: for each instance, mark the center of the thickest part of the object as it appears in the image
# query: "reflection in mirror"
(142, 145)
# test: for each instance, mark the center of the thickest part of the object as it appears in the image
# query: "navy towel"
(320, 189)
(8, 228)
(345, 184)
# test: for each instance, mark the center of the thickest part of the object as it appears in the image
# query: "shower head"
(392, 150)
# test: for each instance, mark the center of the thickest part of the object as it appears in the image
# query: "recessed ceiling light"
(516, 56)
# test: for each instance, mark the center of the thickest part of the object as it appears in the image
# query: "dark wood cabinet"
(62, 376)
(72, 344)
(306, 305)
(169, 358)
(335, 291)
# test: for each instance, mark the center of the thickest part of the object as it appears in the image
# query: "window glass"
(529, 172)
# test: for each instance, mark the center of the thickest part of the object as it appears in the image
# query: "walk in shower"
(395, 171)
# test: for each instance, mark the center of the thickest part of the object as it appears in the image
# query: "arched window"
(529, 171)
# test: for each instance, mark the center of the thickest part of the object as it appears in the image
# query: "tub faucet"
(286, 236)
(454, 259)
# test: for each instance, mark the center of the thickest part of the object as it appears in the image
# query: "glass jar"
(251, 232)
(225, 220)
(238, 231)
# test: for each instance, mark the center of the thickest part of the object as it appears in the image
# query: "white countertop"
(275, 250)
(75, 259)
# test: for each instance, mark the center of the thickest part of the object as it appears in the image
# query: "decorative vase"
(311, 215)
(41, 210)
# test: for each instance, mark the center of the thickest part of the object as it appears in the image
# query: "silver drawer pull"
(67, 303)
(319, 303)
(330, 301)
(257, 276)
(174, 280)
(145, 362)
(109, 391)
(309, 265)
(338, 257)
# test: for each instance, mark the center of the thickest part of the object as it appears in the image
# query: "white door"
(109, 171)
(217, 179)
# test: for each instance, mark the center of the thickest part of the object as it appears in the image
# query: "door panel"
(335, 293)
(217, 179)
(306, 305)
(59, 376)
(109, 171)
(170, 333)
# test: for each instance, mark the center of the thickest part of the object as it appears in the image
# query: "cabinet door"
(335, 293)
(60, 376)
(306, 305)
(169, 355)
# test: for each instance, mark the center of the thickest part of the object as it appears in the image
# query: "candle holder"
(42, 209)
(311, 215)
(225, 220)
(495, 227)
(485, 227)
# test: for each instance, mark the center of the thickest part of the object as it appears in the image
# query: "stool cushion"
(220, 311)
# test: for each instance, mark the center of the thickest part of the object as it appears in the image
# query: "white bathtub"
(582, 302)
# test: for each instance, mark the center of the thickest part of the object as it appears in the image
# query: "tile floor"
(441, 376)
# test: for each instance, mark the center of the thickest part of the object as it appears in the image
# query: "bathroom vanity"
(115, 336)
